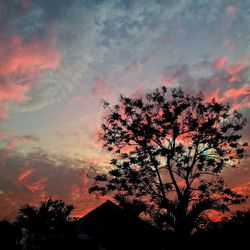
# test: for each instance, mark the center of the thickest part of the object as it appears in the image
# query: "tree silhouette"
(43, 224)
(229, 232)
(170, 149)
(132, 206)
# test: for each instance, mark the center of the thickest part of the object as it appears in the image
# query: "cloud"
(13, 92)
(38, 175)
(109, 37)
(243, 188)
(101, 88)
(21, 63)
(37, 186)
(24, 174)
(220, 62)
(14, 140)
(3, 110)
(225, 83)
(76, 99)
(231, 9)
(234, 93)
(17, 55)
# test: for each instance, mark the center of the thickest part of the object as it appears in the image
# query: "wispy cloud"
(110, 37)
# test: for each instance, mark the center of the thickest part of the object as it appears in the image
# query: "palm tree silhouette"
(132, 206)
(39, 225)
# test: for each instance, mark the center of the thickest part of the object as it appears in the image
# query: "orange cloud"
(214, 216)
(220, 62)
(24, 174)
(243, 189)
(234, 93)
(38, 185)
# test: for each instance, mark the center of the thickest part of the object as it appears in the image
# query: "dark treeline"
(46, 226)
(49, 226)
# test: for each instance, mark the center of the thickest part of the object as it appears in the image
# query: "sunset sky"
(59, 58)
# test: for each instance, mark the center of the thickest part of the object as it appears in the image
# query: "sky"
(60, 58)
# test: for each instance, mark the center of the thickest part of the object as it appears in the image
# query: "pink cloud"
(243, 57)
(231, 45)
(35, 54)
(13, 92)
(3, 110)
(244, 103)
(24, 174)
(215, 79)
(234, 93)
(100, 88)
(138, 92)
(76, 99)
(230, 9)
(20, 63)
(214, 94)
(219, 63)
(235, 69)
(14, 140)
(38, 185)
(97, 160)
(26, 3)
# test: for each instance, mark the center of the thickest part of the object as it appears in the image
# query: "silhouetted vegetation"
(42, 227)
(169, 151)
(135, 206)
(48, 226)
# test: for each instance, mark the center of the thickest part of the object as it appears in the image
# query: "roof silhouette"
(110, 223)
(112, 217)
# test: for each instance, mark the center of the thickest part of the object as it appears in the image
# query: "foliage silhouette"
(229, 232)
(41, 226)
(169, 150)
(132, 206)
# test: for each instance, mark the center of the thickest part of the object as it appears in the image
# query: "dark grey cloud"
(30, 178)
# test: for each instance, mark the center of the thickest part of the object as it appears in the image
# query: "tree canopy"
(169, 151)
(42, 224)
